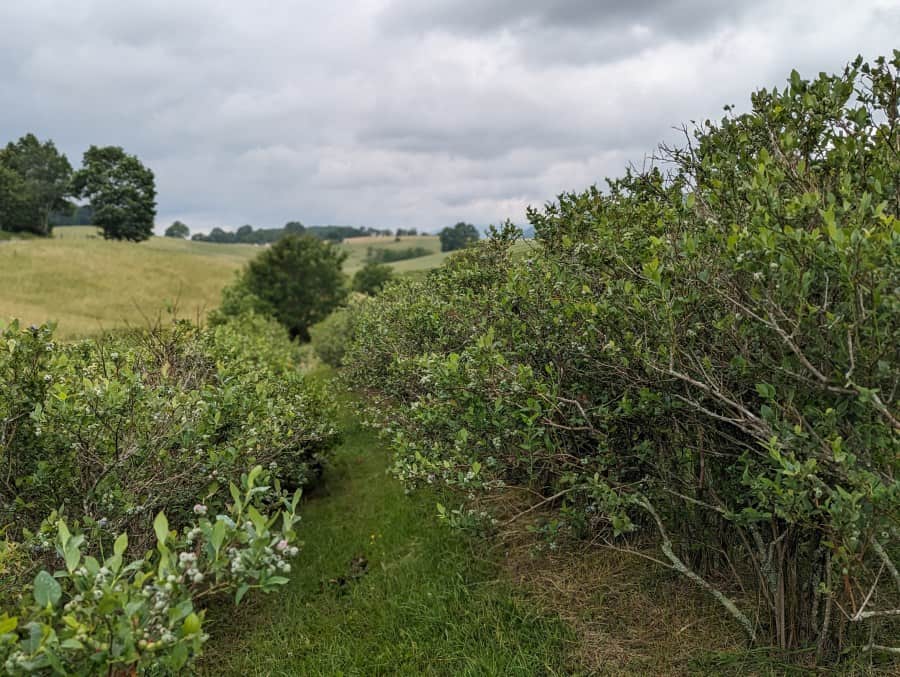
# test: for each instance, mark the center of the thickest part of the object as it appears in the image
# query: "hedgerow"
(705, 356)
(142, 473)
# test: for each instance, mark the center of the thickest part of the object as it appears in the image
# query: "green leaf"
(251, 478)
(180, 610)
(241, 591)
(121, 544)
(161, 527)
(191, 625)
(218, 535)
(8, 624)
(259, 522)
(64, 534)
(46, 590)
(114, 563)
(765, 390)
(72, 555)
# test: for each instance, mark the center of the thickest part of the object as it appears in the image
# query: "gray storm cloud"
(398, 112)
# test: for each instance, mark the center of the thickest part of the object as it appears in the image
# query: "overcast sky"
(393, 113)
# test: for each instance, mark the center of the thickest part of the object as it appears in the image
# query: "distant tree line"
(37, 183)
(244, 235)
(453, 237)
(248, 235)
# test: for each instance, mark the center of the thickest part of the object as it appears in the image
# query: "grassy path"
(380, 589)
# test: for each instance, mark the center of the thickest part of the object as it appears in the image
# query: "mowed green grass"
(428, 601)
(88, 285)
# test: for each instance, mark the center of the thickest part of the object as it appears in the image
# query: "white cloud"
(398, 112)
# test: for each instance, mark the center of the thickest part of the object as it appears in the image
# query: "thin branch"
(536, 506)
(682, 568)
(773, 323)
(881, 647)
(888, 562)
(861, 614)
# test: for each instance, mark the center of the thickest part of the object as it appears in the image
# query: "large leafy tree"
(178, 230)
(15, 207)
(43, 182)
(300, 278)
(122, 191)
(457, 237)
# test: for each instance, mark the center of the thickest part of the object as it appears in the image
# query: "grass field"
(380, 588)
(5, 236)
(357, 249)
(88, 284)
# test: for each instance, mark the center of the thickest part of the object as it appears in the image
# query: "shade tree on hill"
(178, 230)
(298, 280)
(34, 181)
(457, 237)
(121, 190)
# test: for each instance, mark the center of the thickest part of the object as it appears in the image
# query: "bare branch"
(537, 505)
(888, 562)
(683, 569)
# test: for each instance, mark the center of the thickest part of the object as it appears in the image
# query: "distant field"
(357, 248)
(88, 284)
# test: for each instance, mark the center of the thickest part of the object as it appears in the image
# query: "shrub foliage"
(705, 356)
(371, 278)
(189, 441)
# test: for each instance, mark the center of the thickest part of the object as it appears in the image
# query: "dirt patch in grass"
(629, 615)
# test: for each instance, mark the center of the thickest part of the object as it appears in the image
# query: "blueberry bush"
(140, 474)
(703, 357)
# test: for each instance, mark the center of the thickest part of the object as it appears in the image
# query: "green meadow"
(87, 284)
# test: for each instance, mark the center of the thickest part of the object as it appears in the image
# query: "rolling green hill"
(88, 284)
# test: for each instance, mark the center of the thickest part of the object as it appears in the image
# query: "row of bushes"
(377, 255)
(193, 442)
(704, 357)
